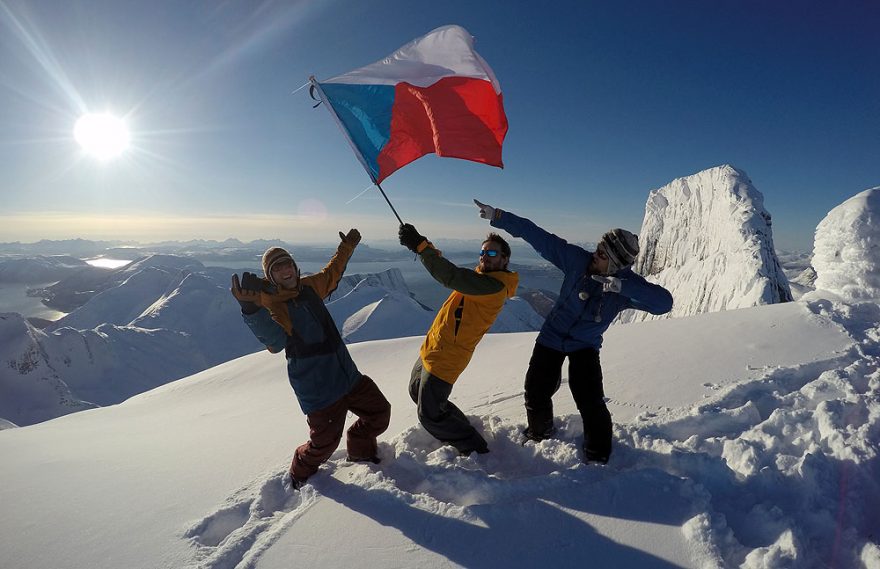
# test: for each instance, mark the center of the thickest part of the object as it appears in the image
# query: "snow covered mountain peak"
(846, 251)
(32, 389)
(708, 239)
(390, 280)
(164, 261)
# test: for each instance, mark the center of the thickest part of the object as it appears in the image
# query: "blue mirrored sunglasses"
(489, 252)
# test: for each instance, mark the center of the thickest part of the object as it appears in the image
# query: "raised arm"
(644, 295)
(552, 247)
(465, 281)
(444, 271)
(327, 279)
(267, 331)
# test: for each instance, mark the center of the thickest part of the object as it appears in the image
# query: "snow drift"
(846, 253)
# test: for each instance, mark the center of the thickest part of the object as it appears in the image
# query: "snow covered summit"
(707, 238)
(846, 252)
(754, 448)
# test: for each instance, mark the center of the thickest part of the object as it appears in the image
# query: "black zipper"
(458, 314)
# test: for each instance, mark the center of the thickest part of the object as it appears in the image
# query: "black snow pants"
(439, 416)
(585, 381)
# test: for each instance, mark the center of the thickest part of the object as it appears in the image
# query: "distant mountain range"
(163, 317)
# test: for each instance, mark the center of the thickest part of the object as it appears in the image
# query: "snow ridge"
(760, 447)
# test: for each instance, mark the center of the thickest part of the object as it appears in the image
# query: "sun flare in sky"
(101, 135)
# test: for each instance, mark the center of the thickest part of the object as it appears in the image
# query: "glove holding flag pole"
(435, 95)
(410, 237)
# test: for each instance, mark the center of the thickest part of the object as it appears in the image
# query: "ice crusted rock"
(707, 238)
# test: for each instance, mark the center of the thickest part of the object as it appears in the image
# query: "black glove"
(247, 292)
(251, 282)
(352, 238)
(410, 237)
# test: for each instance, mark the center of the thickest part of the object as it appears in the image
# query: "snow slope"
(742, 438)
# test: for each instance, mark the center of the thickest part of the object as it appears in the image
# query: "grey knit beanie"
(272, 257)
(622, 248)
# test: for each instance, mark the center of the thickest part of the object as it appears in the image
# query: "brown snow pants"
(325, 428)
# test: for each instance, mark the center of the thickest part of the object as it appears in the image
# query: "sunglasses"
(489, 252)
(600, 252)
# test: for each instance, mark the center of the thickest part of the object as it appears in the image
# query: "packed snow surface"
(742, 438)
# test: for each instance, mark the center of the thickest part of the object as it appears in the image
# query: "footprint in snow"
(248, 523)
(418, 465)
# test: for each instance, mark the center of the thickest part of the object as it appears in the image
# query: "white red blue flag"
(433, 95)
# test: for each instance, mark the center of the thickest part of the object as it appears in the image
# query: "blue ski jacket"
(582, 312)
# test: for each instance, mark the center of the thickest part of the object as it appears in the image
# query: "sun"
(102, 135)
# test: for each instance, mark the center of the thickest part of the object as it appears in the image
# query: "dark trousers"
(326, 425)
(585, 381)
(439, 416)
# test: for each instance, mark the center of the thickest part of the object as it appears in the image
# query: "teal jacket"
(319, 367)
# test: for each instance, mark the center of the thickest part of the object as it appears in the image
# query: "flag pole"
(317, 88)
(394, 211)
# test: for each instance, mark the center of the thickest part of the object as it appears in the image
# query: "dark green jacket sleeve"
(465, 281)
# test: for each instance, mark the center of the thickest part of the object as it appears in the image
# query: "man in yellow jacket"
(477, 297)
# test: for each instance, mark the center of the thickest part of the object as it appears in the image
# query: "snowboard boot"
(531, 435)
(291, 482)
(595, 457)
(540, 425)
(479, 450)
(372, 459)
(475, 443)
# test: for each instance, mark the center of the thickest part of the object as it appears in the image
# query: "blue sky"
(606, 101)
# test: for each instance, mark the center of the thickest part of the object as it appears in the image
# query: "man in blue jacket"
(595, 288)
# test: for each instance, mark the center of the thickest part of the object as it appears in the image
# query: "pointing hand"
(486, 211)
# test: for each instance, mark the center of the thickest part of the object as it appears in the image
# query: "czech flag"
(433, 95)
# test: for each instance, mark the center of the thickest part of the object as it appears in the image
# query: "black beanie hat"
(622, 248)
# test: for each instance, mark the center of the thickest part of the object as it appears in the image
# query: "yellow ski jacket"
(465, 317)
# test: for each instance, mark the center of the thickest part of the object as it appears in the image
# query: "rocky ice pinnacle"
(707, 238)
